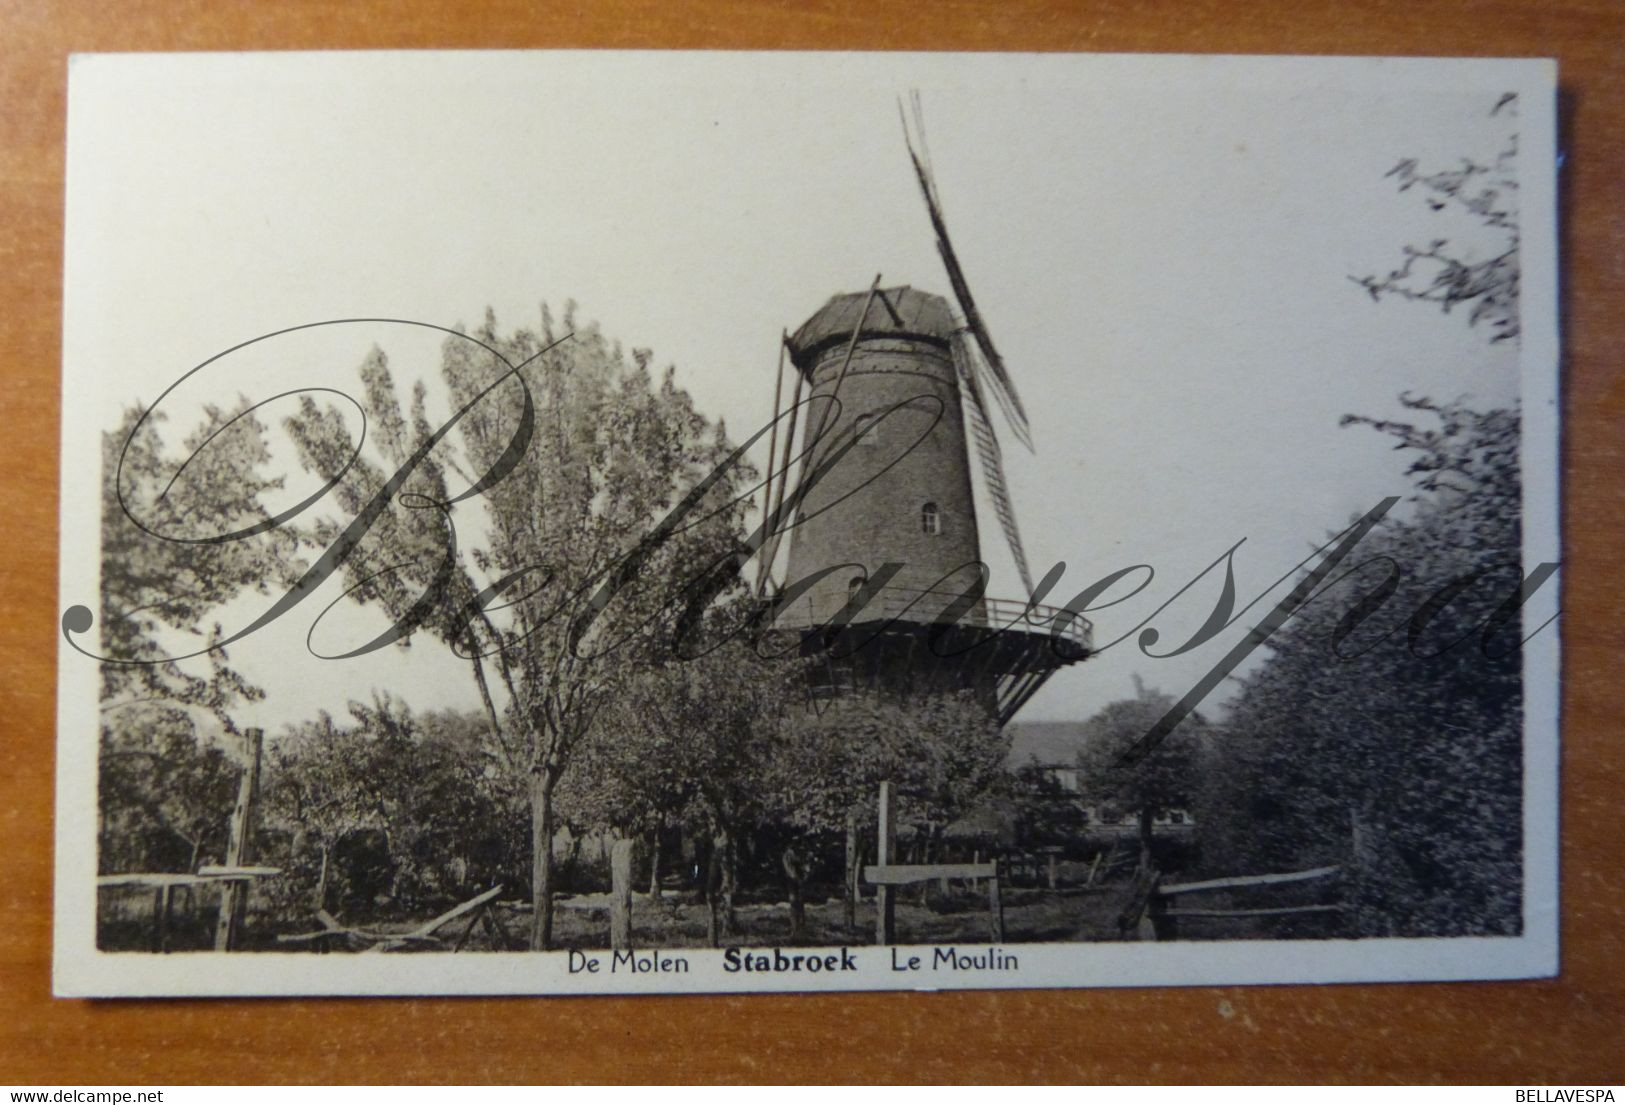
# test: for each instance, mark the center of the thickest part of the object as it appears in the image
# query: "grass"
(679, 919)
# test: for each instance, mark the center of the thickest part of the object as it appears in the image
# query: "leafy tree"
(319, 783)
(943, 754)
(418, 783)
(691, 742)
(478, 807)
(1165, 779)
(1047, 813)
(161, 783)
(160, 772)
(1385, 728)
(724, 745)
(566, 595)
(1483, 271)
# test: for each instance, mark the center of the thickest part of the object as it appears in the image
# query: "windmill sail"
(987, 450)
(999, 383)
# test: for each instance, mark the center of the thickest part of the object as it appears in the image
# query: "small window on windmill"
(930, 519)
(865, 430)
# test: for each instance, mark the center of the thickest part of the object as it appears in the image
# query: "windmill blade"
(999, 383)
(987, 450)
(925, 147)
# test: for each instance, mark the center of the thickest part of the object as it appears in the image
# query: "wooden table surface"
(1564, 1030)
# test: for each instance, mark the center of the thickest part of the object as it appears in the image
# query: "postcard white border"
(81, 970)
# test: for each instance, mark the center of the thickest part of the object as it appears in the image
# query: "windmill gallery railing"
(1008, 648)
(1072, 634)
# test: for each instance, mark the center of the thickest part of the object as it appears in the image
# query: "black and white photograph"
(595, 522)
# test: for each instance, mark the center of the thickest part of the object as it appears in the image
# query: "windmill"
(884, 586)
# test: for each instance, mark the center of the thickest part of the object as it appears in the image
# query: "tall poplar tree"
(556, 580)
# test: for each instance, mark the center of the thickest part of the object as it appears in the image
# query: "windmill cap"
(923, 315)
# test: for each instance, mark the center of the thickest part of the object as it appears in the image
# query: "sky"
(1162, 249)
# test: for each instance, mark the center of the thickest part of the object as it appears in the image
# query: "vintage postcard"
(658, 522)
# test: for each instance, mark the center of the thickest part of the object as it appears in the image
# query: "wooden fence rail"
(884, 876)
(1150, 916)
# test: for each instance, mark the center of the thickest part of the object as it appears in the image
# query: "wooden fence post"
(239, 850)
(885, 898)
(995, 905)
(853, 875)
(160, 917)
(1163, 927)
(1149, 925)
(620, 893)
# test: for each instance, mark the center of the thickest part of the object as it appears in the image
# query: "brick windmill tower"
(884, 583)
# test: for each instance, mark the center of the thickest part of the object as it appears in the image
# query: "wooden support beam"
(160, 919)
(1094, 867)
(1277, 911)
(468, 929)
(239, 849)
(428, 927)
(902, 875)
(620, 893)
(495, 929)
(775, 524)
(897, 319)
(772, 452)
(885, 843)
(314, 937)
(151, 880)
(1134, 918)
(452, 914)
(816, 437)
(1248, 880)
(220, 871)
(1031, 681)
(995, 906)
(424, 933)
